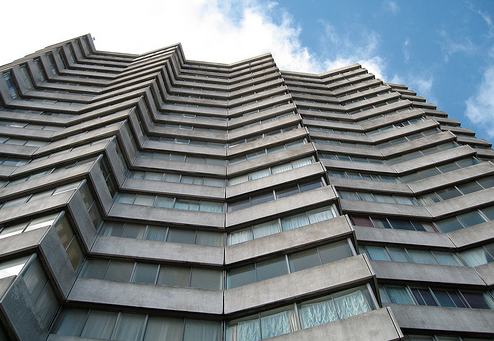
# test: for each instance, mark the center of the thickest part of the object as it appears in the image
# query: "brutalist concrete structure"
(150, 197)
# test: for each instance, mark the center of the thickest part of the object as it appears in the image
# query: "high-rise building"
(150, 197)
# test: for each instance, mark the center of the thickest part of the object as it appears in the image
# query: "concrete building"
(150, 197)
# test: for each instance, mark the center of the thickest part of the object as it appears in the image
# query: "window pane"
(443, 298)
(378, 253)
(119, 271)
(398, 255)
(112, 229)
(350, 304)
(281, 193)
(196, 330)
(427, 297)
(181, 236)
(133, 231)
(174, 276)
(240, 236)
(277, 324)
(448, 225)
(399, 295)
(321, 214)
(477, 256)
(155, 233)
(71, 322)
(469, 187)
(94, 268)
(206, 279)
(361, 221)
(99, 325)
(471, 218)
(489, 212)
(209, 238)
(475, 300)
(164, 202)
(129, 327)
(447, 258)
(271, 268)
(266, 229)
(314, 314)
(303, 260)
(164, 329)
(335, 251)
(448, 193)
(294, 222)
(241, 276)
(145, 273)
(422, 257)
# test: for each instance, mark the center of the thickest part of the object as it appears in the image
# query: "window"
(290, 263)
(284, 224)
(130, 327)
(159, 274)
(7, 76)
(392, 223)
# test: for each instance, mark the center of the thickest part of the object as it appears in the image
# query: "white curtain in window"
(276, 324)
(293, 222)
(160, 329)
(281, 168)
(266, 229)
(318, 313)
(245, 331)
(259, 174)
(156, 233)
(475, 257)
(239, 236)
(211, 207)
(351, 304)
(129, 327)
(303, 162)
(316, 216)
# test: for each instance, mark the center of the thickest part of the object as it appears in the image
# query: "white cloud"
(209, 30)
(391, 6)
(406, 52)
(480, 106)
(451, 46)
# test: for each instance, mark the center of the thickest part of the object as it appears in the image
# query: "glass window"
(266, 229)
(174, 276)
(94, 268)
(129, 327)
(181, 236)
(277, 323)
(145, 273)
(469, 187)
(471, 218)
(71, 322)
(475, 300)
(295, 221)
(241, 276)
(155, 233)
(477, 256)
(209, 238)
(335, 251)
(196, 330)
(99, 324)
(133, 231)
(422, 257)
(271, 268)
(398, 255)
(448, 193)
(399, 295)
(206, 279)
(377, 253)
(448, 225)
(159, 328)
(447, 258)
(401, 224)
(164, 202)
(443, 298)
(304, 260)
(119, 271)
(316, 312)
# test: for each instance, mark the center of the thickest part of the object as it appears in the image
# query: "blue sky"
(444, 50)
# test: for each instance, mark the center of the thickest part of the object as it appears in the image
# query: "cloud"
(480, 106)
(391, 6)
(406, 52)
(487, 19)
(451, 46)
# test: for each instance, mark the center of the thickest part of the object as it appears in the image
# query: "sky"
(442, 49)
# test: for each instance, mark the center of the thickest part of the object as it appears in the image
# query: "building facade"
(149, 197)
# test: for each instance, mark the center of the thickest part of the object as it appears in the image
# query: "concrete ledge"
(372, 207)
(332, 276)
(444, 320)
(156, 250)
(138, 295)
(486, 272)
(443, 274)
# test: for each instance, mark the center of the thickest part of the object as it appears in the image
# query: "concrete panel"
(138, 295)
(275, 179)
(365, 152)
(434, 159)
(426, 273)
(376, 325)
(184, 148)
(289, 240)
(83, 222)
(179, 167)
(331, 276)
(167, 215)
(5, 284)
(371, 207)
(271, 159)
(54, 253)
(462, 203)
(258, 129)
(450, 178)
(486, 272)
(404, 237)
(370, 185)
(21, 242)
(18, 309)
(473, 234)
(359, 166)
(444, 320)
(158, 251)
(101, 190)
(162, 187)
(276, 207)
